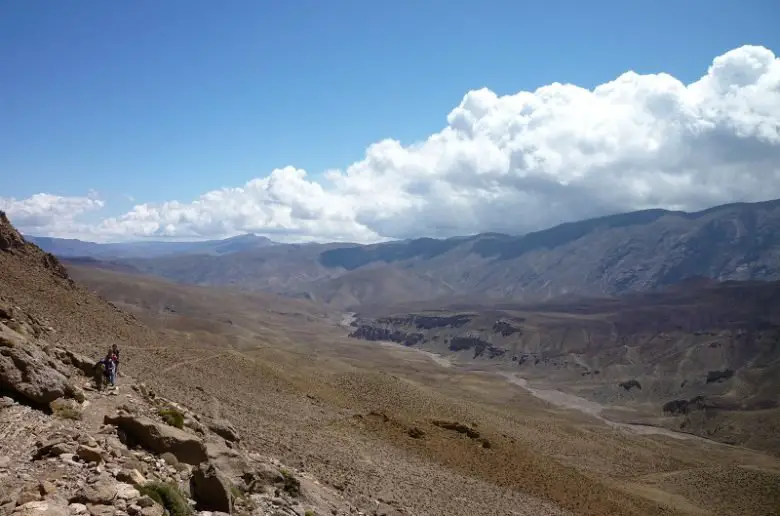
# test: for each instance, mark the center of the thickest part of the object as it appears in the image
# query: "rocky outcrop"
(29, 373)
(84, 364)
(211, 489)
(367, 332)
(479, 346)
(680, 407)
(160, 438)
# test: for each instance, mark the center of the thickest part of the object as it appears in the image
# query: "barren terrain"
(391, 429)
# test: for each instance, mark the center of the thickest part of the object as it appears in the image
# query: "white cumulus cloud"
(51, 214)
(520, 162)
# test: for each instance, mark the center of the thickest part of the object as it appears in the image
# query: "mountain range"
(636, 251)
(67, 247)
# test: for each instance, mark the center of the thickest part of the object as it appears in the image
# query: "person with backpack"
(106, 367)
(114, 351)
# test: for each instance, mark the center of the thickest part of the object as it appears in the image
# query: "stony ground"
(100, 452)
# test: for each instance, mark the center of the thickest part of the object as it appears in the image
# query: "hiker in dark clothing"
(114, 351)
(105, 370)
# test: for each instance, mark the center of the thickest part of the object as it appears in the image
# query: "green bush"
(65, 409)
(172, 417)
(168, 496)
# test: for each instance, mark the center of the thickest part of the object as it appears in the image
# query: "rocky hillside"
(68, 447)
(636, 251)
(699, 356)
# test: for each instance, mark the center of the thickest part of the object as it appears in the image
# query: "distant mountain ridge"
(616, 254)
(68, 248)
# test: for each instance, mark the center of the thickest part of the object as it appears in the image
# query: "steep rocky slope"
(635, 251)
(703, 357)
(67, 447)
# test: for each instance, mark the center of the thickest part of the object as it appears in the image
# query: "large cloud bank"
(512, 164)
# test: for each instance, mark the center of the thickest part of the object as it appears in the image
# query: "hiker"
(111, 363)
(106, 370)
(114, 350)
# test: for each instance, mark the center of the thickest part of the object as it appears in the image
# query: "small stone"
(154, 510)
(126, 492)
(131, 476)
(46, 488)
(67, 458)
(144, 501)
(101, 510)
(89, 453)
(78, 508)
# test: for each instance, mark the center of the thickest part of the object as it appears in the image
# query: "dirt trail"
(573, 402)
(193, 361)
(442, 361)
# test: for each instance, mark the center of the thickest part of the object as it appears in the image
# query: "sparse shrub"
(172, 417)
(309, 512)
(65, 409)
(292, 485)
(415, 433)
(630, 384)
(168, 496)
(716, 376)
(170, 459)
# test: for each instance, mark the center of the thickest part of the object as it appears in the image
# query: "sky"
(368, 121)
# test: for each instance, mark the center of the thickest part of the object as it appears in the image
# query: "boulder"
(225, 429)
(90, 453)
(231, 462)
(160, 438)
(211, 489)
(29, 372)
(102, 492)
(42, 508)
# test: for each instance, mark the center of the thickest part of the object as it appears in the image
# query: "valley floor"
(393, 428)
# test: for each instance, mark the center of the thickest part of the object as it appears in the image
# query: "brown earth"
(390, 429)
(701, 357)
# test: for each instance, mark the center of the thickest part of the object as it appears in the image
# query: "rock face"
(160, 438)
(30, 373)
(83, 363)
(211, 489)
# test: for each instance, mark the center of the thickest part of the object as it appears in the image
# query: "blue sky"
(168, 100)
